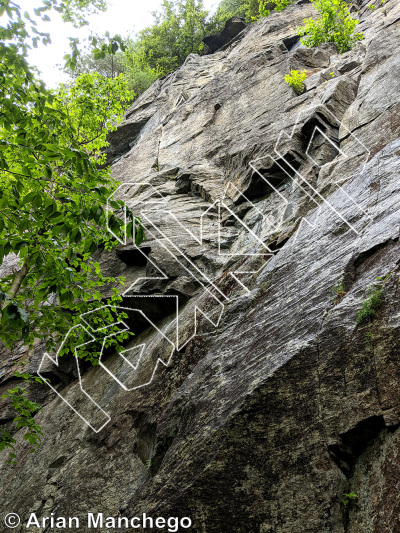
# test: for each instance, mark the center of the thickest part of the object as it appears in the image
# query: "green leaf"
(12, 312)
(93, 248)
(29, 197)
(66, 297)
(129, 230)
(98, 214)
(23, 315)
(51, 147)
(15, 192)
(75, 236)
(48, 172)
(60, 230)
(49, 210)
(37, 201)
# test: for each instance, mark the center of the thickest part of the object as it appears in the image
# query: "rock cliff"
(269, 218)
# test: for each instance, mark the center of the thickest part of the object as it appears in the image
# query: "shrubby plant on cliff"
(296, 80)
(374, 301)
(335, 25)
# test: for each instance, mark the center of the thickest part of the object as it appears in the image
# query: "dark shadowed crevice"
(277, 245)
(146, 437)
(162, 446)
(132, 256)
(276, 177)
(353, 443)
(233, 27)
(364, 256)
(122, 139)
(292, 43)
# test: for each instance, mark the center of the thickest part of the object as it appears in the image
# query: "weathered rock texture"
(261, 423)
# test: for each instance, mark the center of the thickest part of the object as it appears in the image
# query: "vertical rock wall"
(264, 418)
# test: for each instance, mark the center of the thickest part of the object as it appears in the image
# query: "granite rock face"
(270, 218)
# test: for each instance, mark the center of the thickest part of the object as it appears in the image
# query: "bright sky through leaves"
(122, 17)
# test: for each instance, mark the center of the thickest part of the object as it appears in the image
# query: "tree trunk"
(16, 284)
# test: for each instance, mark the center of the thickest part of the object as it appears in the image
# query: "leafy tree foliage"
(256, 10)
(108, 66)
(280, 5)
(177, 32)
(131, 62)
(226, 10)
(52, 198)
(53, 190)
(25, 410)
(335, 25)
(139, 74)
(75, 11)
(250, 10)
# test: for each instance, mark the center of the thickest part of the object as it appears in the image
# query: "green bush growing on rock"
(339, 292)
(335, 25)
(371, 305)
(348, 497)
(369, 339)
(295, 79)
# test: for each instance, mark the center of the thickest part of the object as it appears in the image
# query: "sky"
(123, 17)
